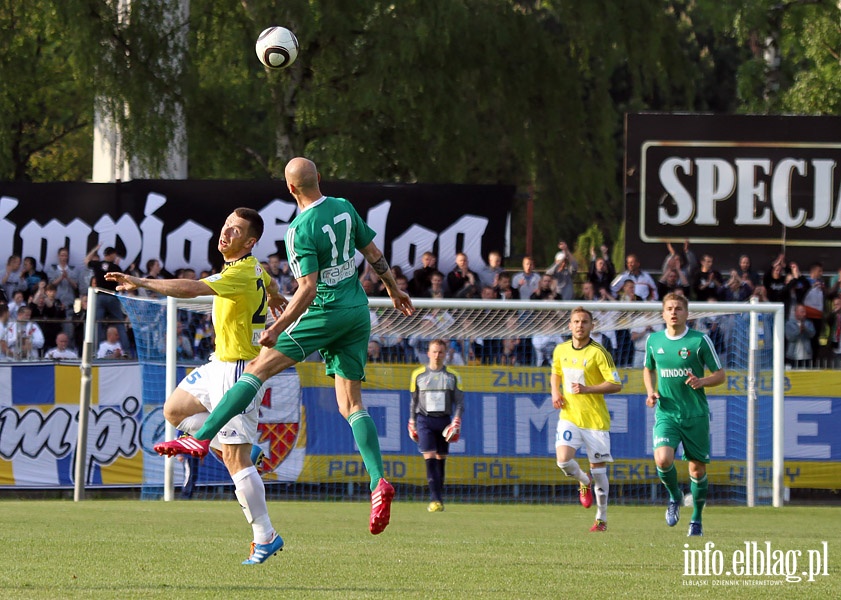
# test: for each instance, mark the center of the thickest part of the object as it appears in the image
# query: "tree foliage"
(46, 102)
(529, 92)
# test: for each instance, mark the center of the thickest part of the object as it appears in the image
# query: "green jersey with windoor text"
(673, 360)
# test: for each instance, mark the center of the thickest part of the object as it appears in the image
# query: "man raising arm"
(242, 292)
(328, 313)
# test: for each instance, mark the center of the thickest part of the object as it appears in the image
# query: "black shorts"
(430, 434)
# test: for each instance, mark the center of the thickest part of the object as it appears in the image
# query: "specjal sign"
(733, 184)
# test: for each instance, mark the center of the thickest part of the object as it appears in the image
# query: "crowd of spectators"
(812, 304)
(43, 310)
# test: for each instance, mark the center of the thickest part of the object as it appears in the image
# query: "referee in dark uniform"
(435, 416)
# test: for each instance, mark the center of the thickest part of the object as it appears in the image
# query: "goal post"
(159, 316)
(485, 318)
(318, 441)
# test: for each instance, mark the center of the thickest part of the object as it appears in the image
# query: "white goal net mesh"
(502, 351)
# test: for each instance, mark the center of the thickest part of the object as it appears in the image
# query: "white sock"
(251, 493)
(601, 487)
(193, 423)
(571, 469)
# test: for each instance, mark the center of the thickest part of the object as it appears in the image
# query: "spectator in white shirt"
(111, 347)
(62, 350)
(644, 285)
(16, 301)
(10, 279)
(24, 338)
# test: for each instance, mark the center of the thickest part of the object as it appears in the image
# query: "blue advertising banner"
(508, 434)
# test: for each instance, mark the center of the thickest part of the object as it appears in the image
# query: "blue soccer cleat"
(673, 512)
(260, 553)
(695, 529)
(260, 460)
(256, 454)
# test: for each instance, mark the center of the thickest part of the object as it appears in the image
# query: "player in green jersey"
(328, 313)
(676, 360)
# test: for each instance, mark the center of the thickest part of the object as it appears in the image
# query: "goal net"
(502, 351)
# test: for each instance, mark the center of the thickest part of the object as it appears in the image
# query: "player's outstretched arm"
(177, 288)
(375, 258)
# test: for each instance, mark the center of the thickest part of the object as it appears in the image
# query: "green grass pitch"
(179, 550)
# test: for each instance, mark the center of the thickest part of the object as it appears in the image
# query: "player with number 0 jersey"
(582, 373)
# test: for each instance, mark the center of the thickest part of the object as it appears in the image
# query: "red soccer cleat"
(381, 506)
(599, 525)
(186, 444)
(585, 494)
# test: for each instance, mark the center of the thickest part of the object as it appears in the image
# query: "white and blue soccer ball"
(277, 47)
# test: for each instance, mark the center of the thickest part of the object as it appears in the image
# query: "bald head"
(302, 174)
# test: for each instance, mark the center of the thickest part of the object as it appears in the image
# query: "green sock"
(232, 403)
(669, 479)
(699, 489)
(365, 435)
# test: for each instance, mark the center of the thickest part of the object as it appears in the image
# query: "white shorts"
(209, 382)
(596, 441)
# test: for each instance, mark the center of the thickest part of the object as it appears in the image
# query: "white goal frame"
(203, 304)
(697, 310)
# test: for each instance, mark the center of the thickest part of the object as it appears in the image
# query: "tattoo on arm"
(382, 269)
(380, 265)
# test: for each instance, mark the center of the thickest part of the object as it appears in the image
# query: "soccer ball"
(277, 47)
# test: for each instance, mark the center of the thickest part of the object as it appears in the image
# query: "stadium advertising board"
(734, 184)
(508, 435)
(178, 222)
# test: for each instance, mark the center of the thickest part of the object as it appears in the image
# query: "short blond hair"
(676, 297)
(581, 309)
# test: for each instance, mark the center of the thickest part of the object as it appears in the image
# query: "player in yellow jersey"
(242, 294)
(582, 373)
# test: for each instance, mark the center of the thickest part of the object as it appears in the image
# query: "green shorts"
(693, 432)
(340, 335)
